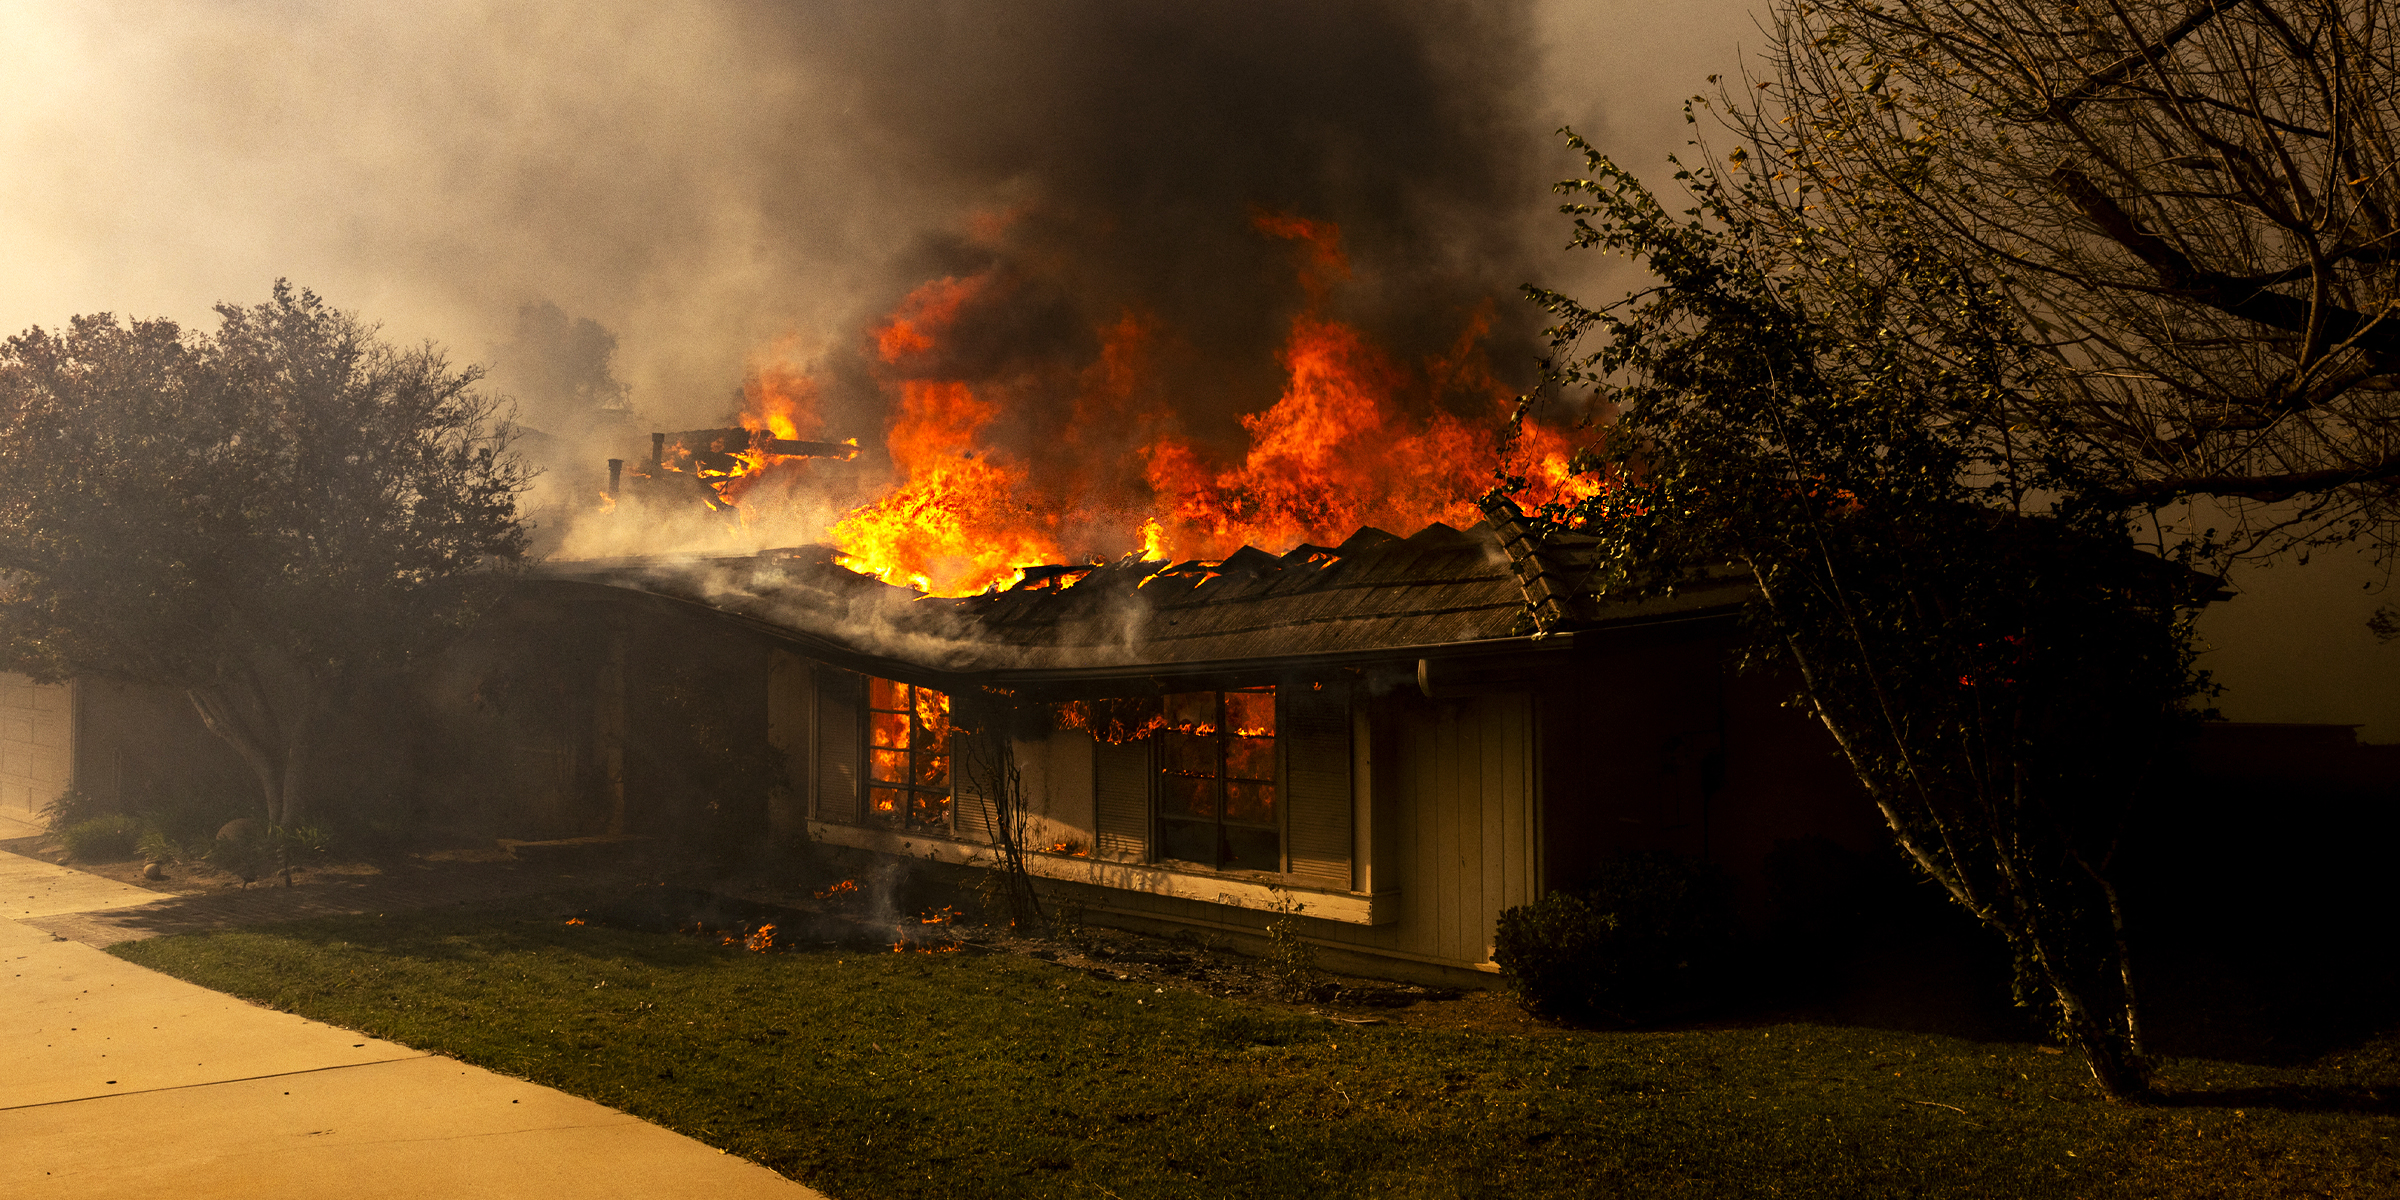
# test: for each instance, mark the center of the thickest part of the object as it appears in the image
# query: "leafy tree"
(263, 518)
(1940, 559)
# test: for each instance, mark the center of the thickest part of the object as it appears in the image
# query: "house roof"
(1376, 595)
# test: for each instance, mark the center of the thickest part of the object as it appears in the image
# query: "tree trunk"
(224, 719)
(2117, 1065)
(2103, 1027)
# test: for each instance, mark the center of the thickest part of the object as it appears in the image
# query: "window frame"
(1162, 769)
(905, 818)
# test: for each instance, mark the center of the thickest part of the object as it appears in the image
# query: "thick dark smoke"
(1124, 150)
(714, 180)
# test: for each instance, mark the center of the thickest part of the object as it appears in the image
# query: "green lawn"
(886, 1075)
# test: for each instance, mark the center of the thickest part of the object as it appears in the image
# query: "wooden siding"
(1467, 842)
(1121, 800)
(1314, 728)
(838, 736)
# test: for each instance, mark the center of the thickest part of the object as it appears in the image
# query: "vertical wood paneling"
(1314, 727)
(839, 697)
(1491, 718)
(1525, 873)
(1121, 779)
(1465, 823)
(1469, 801)
(1451, 781)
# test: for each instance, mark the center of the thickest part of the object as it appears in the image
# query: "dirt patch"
(183, 878)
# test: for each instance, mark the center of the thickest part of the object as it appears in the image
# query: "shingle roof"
(1374, 592)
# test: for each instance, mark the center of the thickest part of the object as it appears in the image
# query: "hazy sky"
(717, 181)
(708, 178)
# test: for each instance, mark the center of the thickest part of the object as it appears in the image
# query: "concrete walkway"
(116, 1080)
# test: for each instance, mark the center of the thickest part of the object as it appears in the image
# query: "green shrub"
(303, 840)
(1634, 945)
(75, 807)
(101, 839)
(157, 847)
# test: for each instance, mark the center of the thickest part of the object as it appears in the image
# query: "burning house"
(1400, 736)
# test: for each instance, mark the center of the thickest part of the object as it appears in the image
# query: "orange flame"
(955, 525)
(1356, 438)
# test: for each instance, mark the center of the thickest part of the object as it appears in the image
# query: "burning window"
(908, 751)
(1216, 802)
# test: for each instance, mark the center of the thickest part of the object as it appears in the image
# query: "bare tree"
(2191, 205)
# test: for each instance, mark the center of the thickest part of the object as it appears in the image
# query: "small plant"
(1291, 962)
(101, 839)
(1005, 901)
(304, 840)
(75, 807)
(155, 846)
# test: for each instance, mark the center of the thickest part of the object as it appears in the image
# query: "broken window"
(908, 753)
(1216, 797)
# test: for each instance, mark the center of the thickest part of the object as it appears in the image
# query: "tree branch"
(2265, 488)
(2214, 289)
(2115, 73)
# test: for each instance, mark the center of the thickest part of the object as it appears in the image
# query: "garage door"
(37, 741)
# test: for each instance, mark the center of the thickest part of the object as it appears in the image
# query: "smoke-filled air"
(954, 288)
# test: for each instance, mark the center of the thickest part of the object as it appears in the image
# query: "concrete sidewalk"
(116, 1080)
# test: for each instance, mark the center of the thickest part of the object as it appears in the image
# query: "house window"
(1216, 800)
(908, 752)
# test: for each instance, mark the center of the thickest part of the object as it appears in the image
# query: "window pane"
(1251, 712)
(933, 718)
(1250, 758)
(933, 770)
(884, 803)
(1252, 802)
(1185, 796)
(888, 729)
(887, 695)
(1194, 712)
(1188, 755)
(887, 766)
(1252, 850)
(1191, 841)
(929, 809)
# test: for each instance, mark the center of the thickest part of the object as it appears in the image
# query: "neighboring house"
(1399, 736)
(122, 743)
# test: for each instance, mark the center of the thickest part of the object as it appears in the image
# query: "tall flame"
(1355, 438)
